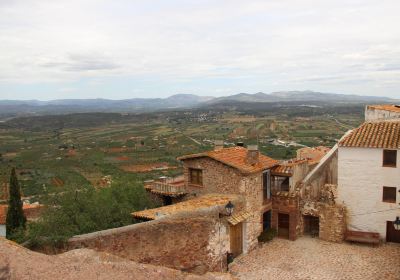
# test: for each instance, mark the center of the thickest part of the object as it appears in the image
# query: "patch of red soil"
(146, 167)
(57, 182)
(123, 158)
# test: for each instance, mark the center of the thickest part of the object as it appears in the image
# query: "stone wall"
(318, 193)
(283, 203)
(332, 224)
(195, 244)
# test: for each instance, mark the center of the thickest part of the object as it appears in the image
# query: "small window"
(389, 158)
(196, 176)
(389, 194)
(285, 185)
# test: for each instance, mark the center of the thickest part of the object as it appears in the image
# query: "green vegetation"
(84, 211)
(15, 215)
(89, 168)
(267, 235)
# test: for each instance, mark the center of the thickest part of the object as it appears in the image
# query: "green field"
(53, 160)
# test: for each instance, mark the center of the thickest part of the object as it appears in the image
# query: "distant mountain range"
(10, 108)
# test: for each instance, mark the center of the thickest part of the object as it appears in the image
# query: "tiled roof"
(204, 201)
(282, 170)
(286, 168)
(386, 107)
(383, 134)
(239, 217)
(236, 158)
(313, 154)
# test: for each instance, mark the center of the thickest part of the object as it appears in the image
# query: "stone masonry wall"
(332, 223)
(196, 244)
(287, 205)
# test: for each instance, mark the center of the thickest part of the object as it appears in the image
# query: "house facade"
(369, 178)
(240, 171)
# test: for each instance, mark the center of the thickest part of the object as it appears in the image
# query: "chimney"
(252, 154)
(218, 145)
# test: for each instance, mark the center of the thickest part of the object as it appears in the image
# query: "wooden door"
(392, 235)
(311, 225)
(283, 225)
(236, 239)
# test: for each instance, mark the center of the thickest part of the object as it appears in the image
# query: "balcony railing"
(164, 188)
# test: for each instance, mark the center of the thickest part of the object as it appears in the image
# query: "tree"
(15, 215)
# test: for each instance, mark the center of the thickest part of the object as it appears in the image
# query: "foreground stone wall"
(188, 244)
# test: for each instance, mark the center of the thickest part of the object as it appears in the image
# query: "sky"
(119, 49)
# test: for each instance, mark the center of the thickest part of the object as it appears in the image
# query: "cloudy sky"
(51, 49)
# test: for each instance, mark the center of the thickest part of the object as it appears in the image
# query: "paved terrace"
(311, 258)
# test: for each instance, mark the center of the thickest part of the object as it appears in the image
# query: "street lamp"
(228, 209)
(396, 223)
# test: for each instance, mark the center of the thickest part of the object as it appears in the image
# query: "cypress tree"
(15, 214)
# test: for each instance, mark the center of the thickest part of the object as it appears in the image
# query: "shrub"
(267, 235)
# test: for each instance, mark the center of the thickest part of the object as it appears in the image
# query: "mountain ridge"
(9, 108)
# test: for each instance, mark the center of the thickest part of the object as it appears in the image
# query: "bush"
(84, 211)
(267, 235)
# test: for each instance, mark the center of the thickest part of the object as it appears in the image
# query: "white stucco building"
(369, 178)
(382, 112)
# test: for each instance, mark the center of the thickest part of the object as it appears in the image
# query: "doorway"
(311, 225)
(392, 235)
(267, 220)
(283, 225)
(236, 239)
(167, 200)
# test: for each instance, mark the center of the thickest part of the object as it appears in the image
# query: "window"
(389, 194)
(285, 185)
(196, 176)
(389, 158)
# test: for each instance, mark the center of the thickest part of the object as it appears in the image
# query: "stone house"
(236, 170)
(285, 203)
(369, 178)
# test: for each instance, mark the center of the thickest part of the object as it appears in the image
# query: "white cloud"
(288, 43)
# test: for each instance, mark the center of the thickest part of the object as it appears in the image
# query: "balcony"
(173, 187)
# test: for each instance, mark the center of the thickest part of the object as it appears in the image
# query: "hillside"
(12, 108)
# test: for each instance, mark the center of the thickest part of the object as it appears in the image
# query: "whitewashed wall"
(376, 114)
(3, 230)
(361, 178)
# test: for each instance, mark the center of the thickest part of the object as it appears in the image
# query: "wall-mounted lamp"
(228, 210)
(396, 223)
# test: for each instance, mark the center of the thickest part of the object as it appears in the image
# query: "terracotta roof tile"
(286, 168)
(383, 134)
(236, 158)
(204, 201)
(386, 107)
